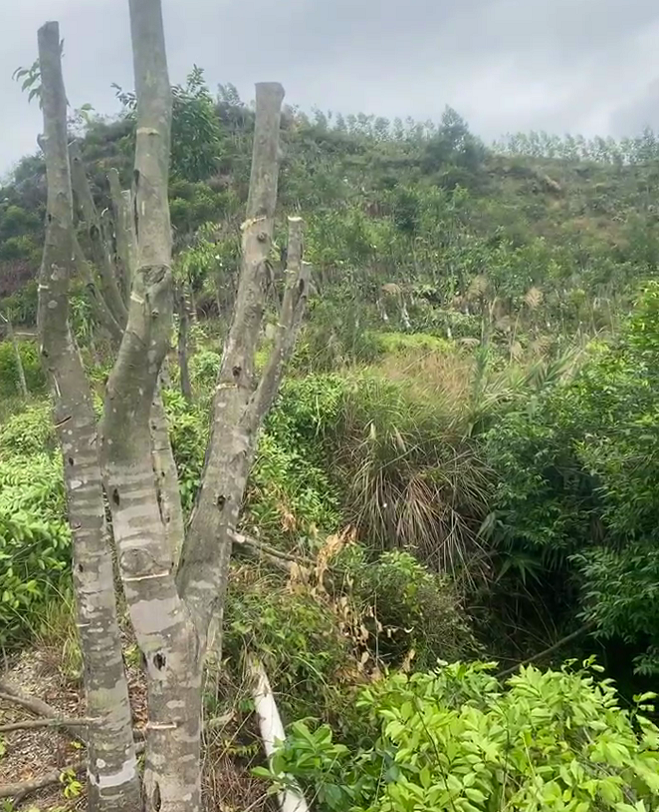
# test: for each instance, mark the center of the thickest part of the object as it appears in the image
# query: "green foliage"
(291, 490)
(196, 133)
(577, 494)
(413, 479)
(9, 382)
(188, 434)
(295, 636)
(454, 739)
(28, 432)
(414, 617)
(34, 539)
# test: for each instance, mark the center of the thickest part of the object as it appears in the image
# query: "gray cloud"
(579, 65)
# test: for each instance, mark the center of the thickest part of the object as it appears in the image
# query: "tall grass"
(408, 447)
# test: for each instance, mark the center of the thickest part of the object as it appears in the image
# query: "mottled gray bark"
(124, 263)
(124, 231)
(163, 627)
(113, 779)
(239, 403)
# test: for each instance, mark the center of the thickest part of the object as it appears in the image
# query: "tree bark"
(240, 404)
(124, 230)
(113, 779)
(163, 627)
(204, 565)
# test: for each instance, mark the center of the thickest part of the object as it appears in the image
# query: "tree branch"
(162, 624)
(99, 305)
(33, 724)
(98, 236)
(110, 743)
(559, 644)
(204, 568)
(292, 309)
(124, 230)
(21, 789)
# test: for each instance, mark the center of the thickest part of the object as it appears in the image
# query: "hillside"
(460, 466)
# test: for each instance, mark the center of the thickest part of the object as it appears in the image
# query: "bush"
(28, 432)
(576, 504)
(9, 381)
(413, 616)
(188, 434)
(454, 739)
(296, 638)
(34, 543)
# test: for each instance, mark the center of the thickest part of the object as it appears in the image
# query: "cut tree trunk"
(163, 627)
(112, 763)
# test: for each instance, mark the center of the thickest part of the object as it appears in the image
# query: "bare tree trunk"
(182, 345)
(113, 778)
(163, 627)
(97, 231)
(124, 231)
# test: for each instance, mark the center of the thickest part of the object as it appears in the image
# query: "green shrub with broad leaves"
(295, 636)
(456, 739)
(575, 517)
(27, 432)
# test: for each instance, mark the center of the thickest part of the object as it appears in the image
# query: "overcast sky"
(589, 66)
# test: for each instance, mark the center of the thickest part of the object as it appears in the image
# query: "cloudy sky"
(589, 66)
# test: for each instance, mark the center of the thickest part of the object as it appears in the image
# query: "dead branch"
(14, 694)
(32, 724)
(21, 789)
(559, 644)
(262, 547)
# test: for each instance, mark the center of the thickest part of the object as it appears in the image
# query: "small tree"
(174, 582)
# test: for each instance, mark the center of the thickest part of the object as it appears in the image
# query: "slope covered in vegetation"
(460, 464)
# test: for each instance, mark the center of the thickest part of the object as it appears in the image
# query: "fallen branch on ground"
(262, 547)
(21, 789)
(31, 724)
(559, 644)
(12, 693)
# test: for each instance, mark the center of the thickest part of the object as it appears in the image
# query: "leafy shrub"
(287, 493)
(454, 739)
(34, 543)
(576, 503)
(9, 382)
(291, 487)
(294, 635)
(204, 368)
(27, 432)
(188, 434)
(413, 616)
